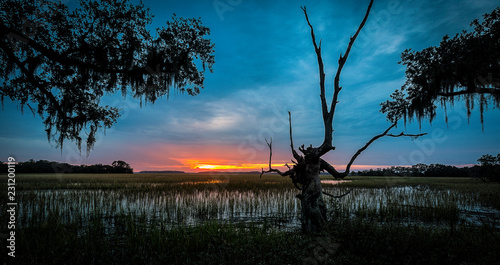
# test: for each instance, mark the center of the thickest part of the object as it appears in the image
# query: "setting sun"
(224, 165)
(206, 166)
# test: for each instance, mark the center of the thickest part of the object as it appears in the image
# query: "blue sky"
(265, 65)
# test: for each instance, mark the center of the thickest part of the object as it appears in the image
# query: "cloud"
(266, 66)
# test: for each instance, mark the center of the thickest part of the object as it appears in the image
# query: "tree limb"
(29, 75)
(64, 59)
(325, 166)
(326, 146)
(408, 135)
(327, 143)
(283, 174)
(336, 196)
(342, 61)
(295, 154)
(376, 137)
(317, 49)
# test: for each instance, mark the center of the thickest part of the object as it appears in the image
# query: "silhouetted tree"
(489, 169)
(63, 61)
(466, 66)
(120, 166)
(307, 167)
(489, 160)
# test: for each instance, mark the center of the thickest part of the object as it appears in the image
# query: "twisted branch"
(283, 174)
(336, 196)
(330, 169)
(294, 153)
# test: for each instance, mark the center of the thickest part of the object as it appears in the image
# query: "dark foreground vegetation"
(345, 242)
(61, 229)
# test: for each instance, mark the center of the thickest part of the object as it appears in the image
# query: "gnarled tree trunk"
(310, 165)
(313, 206)
(307, 167)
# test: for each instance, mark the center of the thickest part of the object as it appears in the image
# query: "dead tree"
(307, 166)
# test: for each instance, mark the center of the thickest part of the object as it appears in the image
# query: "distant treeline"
(44, 166)
(486, 173)
(489, 169)
(419, 170)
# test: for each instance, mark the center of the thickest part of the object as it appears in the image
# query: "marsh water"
(174, 205)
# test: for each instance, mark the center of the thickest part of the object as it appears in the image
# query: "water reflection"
(210, 181)
(333, 182)
(274, 207)
(171, 207)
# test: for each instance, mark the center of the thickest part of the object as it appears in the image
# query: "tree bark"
(313, 214)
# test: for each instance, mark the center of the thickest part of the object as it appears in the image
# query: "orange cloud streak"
(209, 157)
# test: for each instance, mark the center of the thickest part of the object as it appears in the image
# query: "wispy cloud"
(266, 66)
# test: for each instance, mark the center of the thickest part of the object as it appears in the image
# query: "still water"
(272, 207)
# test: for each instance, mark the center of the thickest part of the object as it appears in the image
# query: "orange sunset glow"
(225, 165)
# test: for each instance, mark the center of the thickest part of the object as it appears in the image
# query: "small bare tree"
(307, 166)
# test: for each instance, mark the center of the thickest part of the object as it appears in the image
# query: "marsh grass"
(346, 241)
(227, 219)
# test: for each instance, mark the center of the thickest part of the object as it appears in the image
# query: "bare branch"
(325, 166)
(415, 136)
(326, 146)
(31, 108)
(295, 154)
(343, 59)
(283, 174)
(376, 137)
(336, 196)
(317, 49)
(270, 150)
